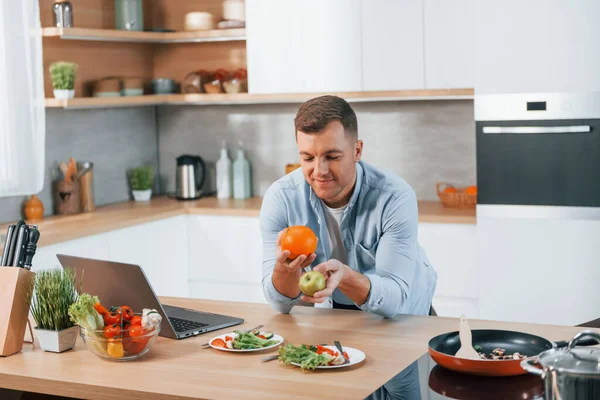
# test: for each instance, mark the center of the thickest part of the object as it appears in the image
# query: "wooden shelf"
(104, 102)
(245, 98)
(113, 35)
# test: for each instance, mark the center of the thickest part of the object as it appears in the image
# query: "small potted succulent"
(63, 79)
(54, 290)
(142, 181)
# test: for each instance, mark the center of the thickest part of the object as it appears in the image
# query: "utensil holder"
(16, 288)
(66, 197)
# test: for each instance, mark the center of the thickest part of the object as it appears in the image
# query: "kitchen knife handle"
(31, 247)
(13, 245)
(7, 245)
(21, 238)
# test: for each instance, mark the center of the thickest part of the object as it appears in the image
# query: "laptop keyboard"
(182, 325)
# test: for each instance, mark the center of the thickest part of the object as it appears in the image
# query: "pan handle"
(582, 334)
(529, 365)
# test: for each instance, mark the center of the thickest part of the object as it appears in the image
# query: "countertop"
(181, 369)
(56, 229)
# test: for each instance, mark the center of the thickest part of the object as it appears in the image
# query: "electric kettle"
(190, 176)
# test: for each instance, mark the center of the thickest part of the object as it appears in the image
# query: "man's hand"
(333, 271)
(287, 272)
(285, 265)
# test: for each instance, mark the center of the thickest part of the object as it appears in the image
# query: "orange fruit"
(450, 189)
(298, 240)
(471, 190)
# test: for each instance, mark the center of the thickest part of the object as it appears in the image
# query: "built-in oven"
(538, 211)
(538, 149)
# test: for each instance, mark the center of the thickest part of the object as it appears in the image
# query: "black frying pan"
(442, 349)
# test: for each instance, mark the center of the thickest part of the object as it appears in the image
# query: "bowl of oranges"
(457, 197)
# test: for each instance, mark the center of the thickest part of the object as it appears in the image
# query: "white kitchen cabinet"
(91, 247)
(455, 307)
(250, 293)
(225, 258)
(449, 44)
(452, 250)
(160, 248)
(537, 46)
(300, 46)
(392, 44)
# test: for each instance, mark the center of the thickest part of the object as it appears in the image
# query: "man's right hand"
(287, 272)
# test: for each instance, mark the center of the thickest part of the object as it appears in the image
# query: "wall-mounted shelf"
(113, 35)
(104, 102)
(245, 98)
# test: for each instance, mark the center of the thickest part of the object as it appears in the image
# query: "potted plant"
(142, 180)
(54, 290)
(63, 79)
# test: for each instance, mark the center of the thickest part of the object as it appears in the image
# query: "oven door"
(539, 162)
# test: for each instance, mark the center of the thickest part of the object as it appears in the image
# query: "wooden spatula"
(466, 349)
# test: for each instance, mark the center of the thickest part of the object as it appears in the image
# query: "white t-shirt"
(333, 217)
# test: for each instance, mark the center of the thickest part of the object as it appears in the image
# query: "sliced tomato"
(228, 338)
(346, 355)
(261, 336)
(321, 350)
(219, 343)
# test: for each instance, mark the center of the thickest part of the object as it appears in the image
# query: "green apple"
(312, 282)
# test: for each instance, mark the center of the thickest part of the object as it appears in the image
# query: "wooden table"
(183, 370)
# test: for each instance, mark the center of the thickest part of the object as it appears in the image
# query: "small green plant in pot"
(54, 290)
(141, 180)
(63, 79)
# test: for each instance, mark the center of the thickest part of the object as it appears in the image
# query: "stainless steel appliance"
(538, 149)
(538, 211)
(190, 176)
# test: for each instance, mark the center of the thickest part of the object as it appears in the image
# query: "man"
(365, 219)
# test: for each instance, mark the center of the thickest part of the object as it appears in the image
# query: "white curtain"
(22, 110)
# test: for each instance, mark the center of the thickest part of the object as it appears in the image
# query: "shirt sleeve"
(395, 258)
(272, 220)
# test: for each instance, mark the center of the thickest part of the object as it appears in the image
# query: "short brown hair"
(314, 115)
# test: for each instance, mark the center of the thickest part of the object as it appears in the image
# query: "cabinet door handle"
(536, 129)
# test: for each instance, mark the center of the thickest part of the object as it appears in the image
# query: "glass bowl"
(123, 348)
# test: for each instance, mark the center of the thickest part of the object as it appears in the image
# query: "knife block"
(16, 289)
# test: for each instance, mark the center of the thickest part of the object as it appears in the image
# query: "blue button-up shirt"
(379, 232)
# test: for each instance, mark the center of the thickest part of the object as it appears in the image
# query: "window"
(22, 106)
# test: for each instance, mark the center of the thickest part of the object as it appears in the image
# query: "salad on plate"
(239, 340)
(312, 356)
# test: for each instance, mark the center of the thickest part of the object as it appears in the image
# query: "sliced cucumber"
(268, 335)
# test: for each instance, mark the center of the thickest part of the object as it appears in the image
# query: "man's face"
(328, 161)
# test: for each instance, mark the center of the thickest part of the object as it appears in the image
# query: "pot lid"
(576, 360)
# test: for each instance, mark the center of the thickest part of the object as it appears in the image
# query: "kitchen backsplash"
(114, 140)
(422, 141)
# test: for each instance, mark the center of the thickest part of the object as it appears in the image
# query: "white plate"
(356, 356)
(278, 338)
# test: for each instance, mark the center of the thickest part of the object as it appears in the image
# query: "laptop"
(118, 284)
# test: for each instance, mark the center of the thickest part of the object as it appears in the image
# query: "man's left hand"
(333, 271)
